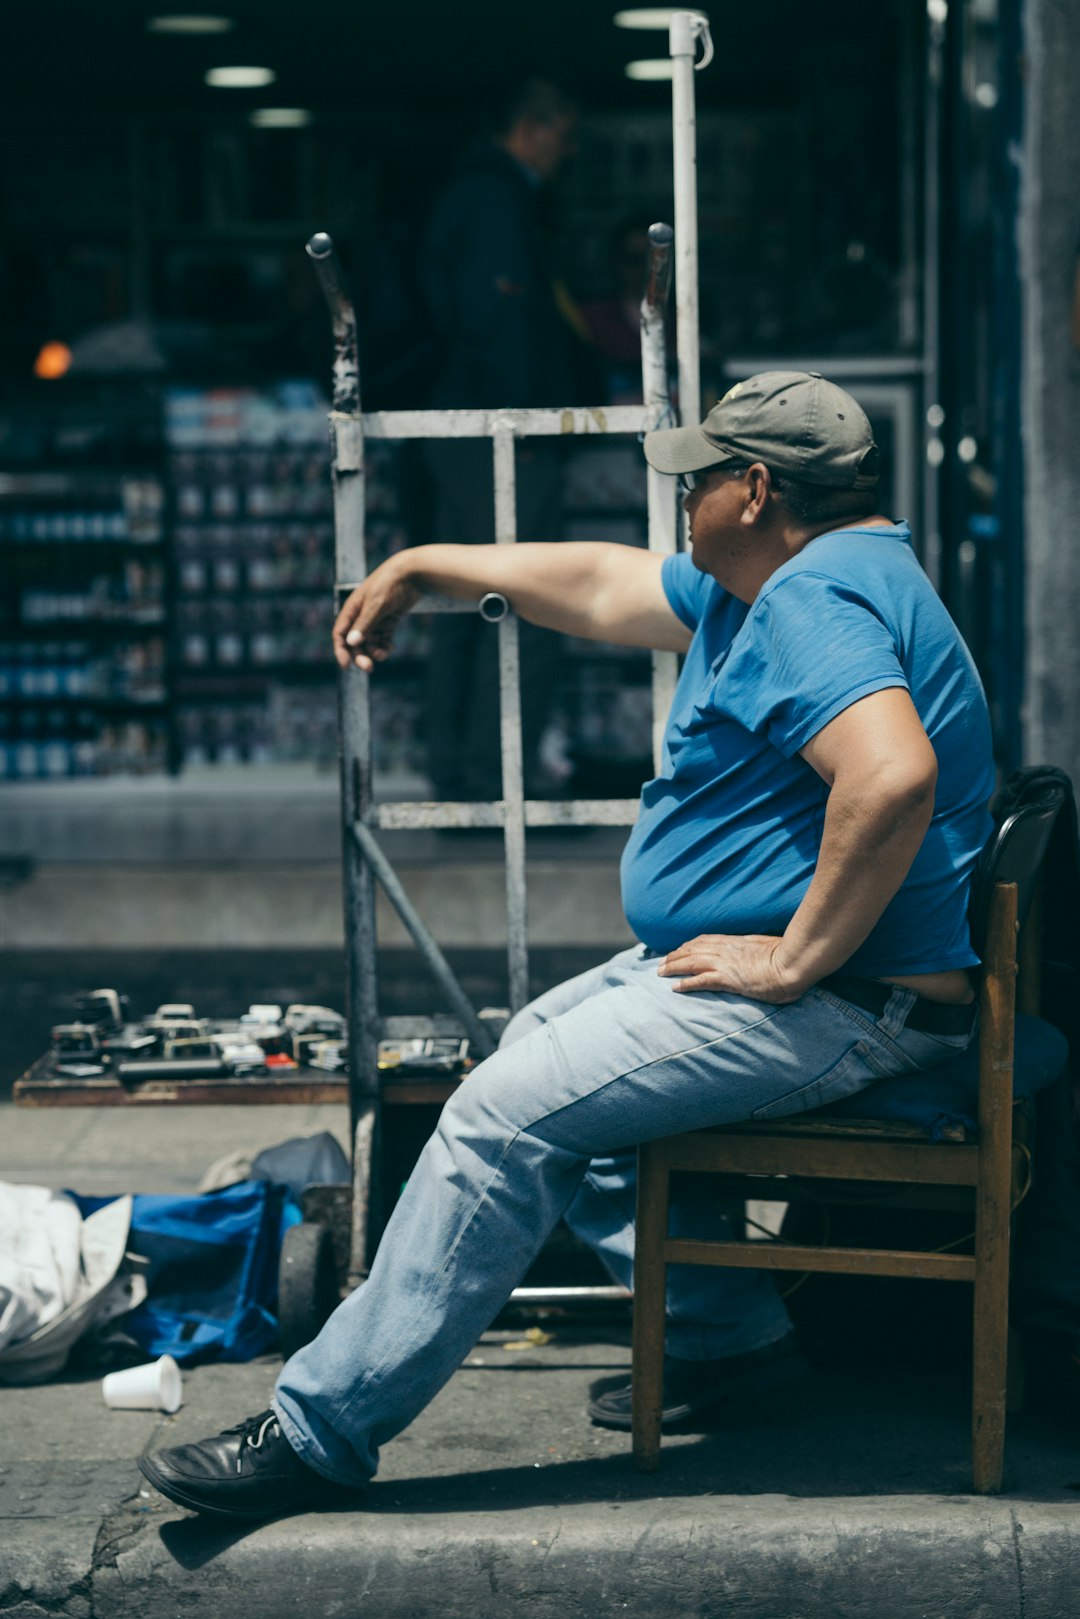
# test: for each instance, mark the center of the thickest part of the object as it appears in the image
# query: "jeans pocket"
(852, 1073)
(929, 1051)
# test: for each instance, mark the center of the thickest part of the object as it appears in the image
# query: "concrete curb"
(761, 1557)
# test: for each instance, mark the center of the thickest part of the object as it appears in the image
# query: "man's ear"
(759, 488)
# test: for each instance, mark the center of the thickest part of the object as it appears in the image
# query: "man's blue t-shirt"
(729, 832)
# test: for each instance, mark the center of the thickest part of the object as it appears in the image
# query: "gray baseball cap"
(794, 421)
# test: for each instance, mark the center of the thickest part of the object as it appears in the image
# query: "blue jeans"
(544, 1128)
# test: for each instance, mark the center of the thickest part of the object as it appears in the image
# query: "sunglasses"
(689, 481)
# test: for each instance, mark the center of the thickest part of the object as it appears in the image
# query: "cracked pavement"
(852, 1502)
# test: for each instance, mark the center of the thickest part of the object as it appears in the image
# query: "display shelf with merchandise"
(252, 562)
(253, 573)
(84, 625)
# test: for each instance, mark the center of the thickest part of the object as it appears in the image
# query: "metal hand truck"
(309, 1263)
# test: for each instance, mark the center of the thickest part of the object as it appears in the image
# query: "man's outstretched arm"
(598, 591)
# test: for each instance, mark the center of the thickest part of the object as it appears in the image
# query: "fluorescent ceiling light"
(651, 16)
(189, 23)
(657, 68)
(240, 78)
(280, 118)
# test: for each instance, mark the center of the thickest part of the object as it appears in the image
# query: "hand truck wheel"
(307, 1284)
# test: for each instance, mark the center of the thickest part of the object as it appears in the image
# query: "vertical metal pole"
(510, 733)
(933, 413)
(661, 491)
(1008, 431)
(908, 70)
(354, 758)
(686, 28)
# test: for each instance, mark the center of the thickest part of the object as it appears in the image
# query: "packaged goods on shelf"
(84, 628)
(49, 747)
(254, 570)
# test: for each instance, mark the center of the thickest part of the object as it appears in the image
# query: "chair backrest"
(1014, 854)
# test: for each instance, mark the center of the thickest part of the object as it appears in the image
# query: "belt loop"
(897, 1010)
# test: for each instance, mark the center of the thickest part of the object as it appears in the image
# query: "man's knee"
(474, 1114)
(501, 1100)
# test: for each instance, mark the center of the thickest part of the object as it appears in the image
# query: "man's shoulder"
(866, 560)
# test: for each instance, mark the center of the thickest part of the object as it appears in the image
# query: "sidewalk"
(503, 1499)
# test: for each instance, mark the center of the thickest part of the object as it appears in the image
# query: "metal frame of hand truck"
(365, 862)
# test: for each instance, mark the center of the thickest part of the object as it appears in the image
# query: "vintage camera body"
(184, 1048)
(165, 1029)
(242, 1054)
(174, 1012)
(76, 1040)
(304, 1020)
(106, 1009)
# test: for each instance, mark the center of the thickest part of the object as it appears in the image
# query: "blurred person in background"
(506, 337)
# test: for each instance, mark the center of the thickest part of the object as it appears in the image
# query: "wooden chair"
(923, 1172)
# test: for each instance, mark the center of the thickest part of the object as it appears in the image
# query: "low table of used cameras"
(269, 1053)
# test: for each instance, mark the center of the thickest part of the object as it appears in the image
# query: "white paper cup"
(156, 1386)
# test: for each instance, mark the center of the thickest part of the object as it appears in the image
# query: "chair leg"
(991, 1339)
(650, 1276)
(993, 1191)
(988, 1394)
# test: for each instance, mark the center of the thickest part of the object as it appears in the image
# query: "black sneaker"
(250, 1471)
(694, 1389)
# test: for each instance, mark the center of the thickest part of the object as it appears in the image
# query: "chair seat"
(938, 1105)
(840, 1128)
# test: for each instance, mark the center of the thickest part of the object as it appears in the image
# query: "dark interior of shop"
(135, 189)
(132, 187)
(152, 250)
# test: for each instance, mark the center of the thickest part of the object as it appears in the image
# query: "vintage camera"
(129, 1043)
(183, 1048)
(434, 1054)
(329, 1054)
(243, 1056)
(106, 1009)
(303, 1047)
(164, 1029)
(75, 1040)
(261, 1015)
(303, 1020)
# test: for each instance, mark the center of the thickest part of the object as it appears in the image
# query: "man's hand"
(364, 628)
(740, 964)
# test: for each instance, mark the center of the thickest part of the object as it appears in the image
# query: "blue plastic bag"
(213, 1266)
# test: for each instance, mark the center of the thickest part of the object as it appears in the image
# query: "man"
(798, 876)
(489, 277)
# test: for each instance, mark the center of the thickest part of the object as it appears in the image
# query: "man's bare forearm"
(870, 839)
(599, 591)
(568, 586)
